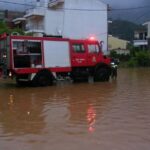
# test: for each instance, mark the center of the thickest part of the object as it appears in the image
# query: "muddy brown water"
(101, 116)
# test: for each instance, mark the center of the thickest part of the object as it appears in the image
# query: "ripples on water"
(106, 116)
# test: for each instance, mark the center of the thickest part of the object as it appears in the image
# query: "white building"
(147, 24)
(69, 18)
(142, 37)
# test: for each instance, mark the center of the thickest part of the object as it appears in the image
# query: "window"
(93, 48)
(78, 48)
(27, 54)
(27, 46)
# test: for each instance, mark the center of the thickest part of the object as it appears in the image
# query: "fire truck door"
(93, 54)
(78, 54)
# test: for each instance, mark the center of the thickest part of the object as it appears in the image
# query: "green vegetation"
(136, 58)
(121, 57)
(139, 58)
(5, 29)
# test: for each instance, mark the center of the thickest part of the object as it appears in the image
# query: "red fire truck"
(42, 60)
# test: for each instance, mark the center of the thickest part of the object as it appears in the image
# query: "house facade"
(118, 45)
(77, 19)
(140, 38)
(147, 24)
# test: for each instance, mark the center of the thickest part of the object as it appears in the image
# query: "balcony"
(54, 3)
(140, 42)
(39, 12)
(35, 29)
(18, 20)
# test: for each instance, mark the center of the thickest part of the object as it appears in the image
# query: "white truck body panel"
(57, 54)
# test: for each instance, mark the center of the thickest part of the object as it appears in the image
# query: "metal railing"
(35, 11)
(140, 42)
(34, 27)
(55, 2)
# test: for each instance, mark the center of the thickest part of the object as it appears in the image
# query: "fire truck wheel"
(43, 78)
(102, 74)
(20, 82)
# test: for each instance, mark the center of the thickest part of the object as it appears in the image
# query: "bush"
(5, 29)
(143, 58)
(121, 57)
(132, 62)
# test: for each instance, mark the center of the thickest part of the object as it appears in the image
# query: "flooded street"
(101, 116)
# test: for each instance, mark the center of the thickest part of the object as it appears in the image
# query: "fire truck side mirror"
(101, 43)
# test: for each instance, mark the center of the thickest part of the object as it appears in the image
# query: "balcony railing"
(140, 42)
(35, 28)
(35, 12)
(54, 3)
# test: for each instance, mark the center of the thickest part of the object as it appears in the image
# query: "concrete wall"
(116, 43)
(78, 20)
(83, 24)
(53, 23)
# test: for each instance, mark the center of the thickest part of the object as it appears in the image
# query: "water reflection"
(113, 115)
(19, 114)
(33, 110)
(91, 118)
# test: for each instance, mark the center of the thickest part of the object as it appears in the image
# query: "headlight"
(10, 74)
(112, 63)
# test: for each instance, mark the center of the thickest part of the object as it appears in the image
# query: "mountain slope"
(123, 29)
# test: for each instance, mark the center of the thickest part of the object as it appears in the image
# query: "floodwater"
(100, 116)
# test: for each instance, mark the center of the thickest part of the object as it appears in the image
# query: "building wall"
(148, 35)
(35, 23)
(78, 21)
(53, 23)
(115, 43)
(83, 24)
(149, 29)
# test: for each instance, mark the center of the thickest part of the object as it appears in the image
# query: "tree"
(5, 29)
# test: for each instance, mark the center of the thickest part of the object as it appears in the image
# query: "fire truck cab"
(42, 60)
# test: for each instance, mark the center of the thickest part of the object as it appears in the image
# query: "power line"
(79, 9)
(141, 16)
(131, 8)
(8, 2)
(76, 9)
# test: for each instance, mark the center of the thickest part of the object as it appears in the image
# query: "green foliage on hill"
(123, 29)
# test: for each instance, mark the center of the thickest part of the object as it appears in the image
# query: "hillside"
(123, 29)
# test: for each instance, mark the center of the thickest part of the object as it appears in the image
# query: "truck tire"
(21, 82)
(102, 74)
(43, 78)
